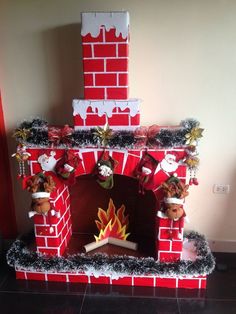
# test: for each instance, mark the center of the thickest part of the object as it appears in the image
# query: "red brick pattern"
(169, 243)
(193, 282)
(54, 242)
(106, 54)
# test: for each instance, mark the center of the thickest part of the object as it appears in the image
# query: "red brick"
(123, 50)
(123, 79)
(163, 245)
(67, 215)
(166, 282)
(93, 65)
(43, 231)
(130, 165)
(59, 226)
(57, 277)
(144, 281)
(119, 157)
(36, 276)
(62, 248)
(169, 257)
(78, 278)
(95, 120)
(64, 231)
(188, 283)
(117, 93)
(88, 80)
(20, 275)
(48, 251)
(78, 121)
(135, 120)
(117, 65)
(38, 219)
(134, 152)
(119, 119)
(87, 51)
(105, 79)
(89, 161)
(203, 283)
(94, 93)
(40, 241)
(105, 50)
(168, 233)
(177, 246)
(53, 242)
(100, 280)
(164, 222)
(124, 281)
(110, 36)
(89, 39)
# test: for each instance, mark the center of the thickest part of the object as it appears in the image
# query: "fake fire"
(112, 223)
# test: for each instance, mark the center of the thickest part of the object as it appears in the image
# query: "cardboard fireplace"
(108, 195)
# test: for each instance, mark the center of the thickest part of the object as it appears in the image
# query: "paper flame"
(112, 223)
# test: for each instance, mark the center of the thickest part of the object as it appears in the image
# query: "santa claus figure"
(168, 164)
(47, 162)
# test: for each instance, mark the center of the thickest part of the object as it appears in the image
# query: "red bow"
(59, 135)
(147, 135)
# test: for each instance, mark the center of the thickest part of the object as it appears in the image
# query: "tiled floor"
(33, 297)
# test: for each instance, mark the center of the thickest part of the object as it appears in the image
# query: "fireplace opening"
(87, 196)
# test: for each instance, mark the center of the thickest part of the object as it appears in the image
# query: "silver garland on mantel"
(20, 257)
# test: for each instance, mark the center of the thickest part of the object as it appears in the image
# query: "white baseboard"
(225, 246)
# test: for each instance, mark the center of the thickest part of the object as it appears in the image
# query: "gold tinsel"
(193, 136)
(104, 134)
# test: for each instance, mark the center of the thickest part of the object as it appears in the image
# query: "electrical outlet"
(221, 188)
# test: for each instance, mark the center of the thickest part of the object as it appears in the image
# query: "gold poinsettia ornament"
(194, 135)
(103, 134)
(21, 134)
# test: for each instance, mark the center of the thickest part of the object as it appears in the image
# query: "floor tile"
(127, 305)
(222, 285)
(29, 303)
(189, 306)
(12, 285)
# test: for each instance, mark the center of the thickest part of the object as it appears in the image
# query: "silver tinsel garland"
(20, 257)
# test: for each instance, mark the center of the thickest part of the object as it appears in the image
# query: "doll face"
(174, 211)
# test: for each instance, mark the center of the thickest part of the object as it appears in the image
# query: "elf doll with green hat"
(105, 170)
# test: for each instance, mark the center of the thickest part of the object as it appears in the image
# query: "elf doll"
(105, 170)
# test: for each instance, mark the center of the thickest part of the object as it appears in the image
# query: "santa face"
(47, 163)
(168, 164)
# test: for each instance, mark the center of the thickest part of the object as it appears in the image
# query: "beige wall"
(182, 65)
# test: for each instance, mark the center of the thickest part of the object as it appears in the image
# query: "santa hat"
(174, 200)
(40, 195)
